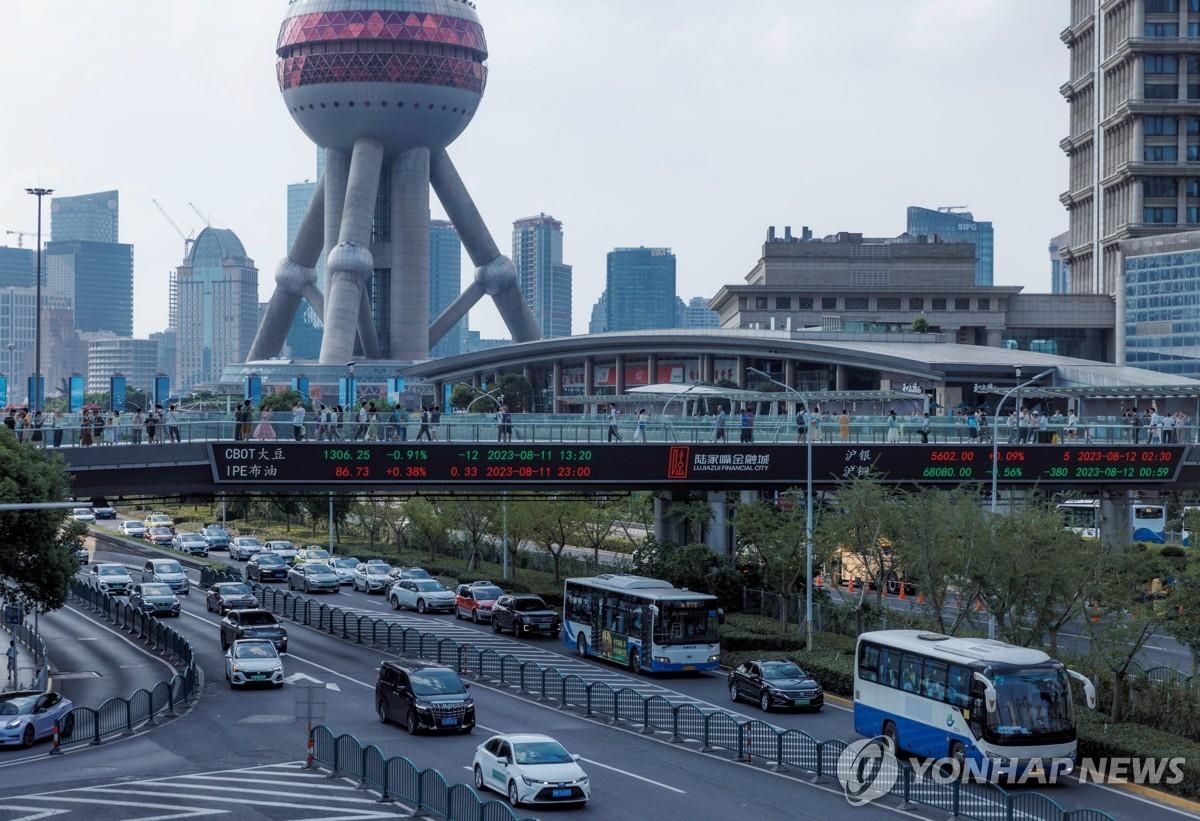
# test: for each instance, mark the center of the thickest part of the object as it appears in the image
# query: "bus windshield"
(685, 625)
(1030, 702)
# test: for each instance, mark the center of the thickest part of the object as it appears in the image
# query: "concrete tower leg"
(350, 263)
(668, 527)
(716, 534)
(495, 274)
(295, 278)
(368, 337)
(409, 294)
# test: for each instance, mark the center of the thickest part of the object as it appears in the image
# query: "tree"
(596, 526)
(281, 402)
(318, 511)
(37, 562)
(462, 396)
(778, 541)
(475, 519)
(290, 508)
(554, 526)
(427, 525)
(859, 529)
(517, 392)
(932, 536)
(920, 325)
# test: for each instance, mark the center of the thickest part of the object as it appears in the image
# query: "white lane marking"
(298, 677)
(112, 802)
(88, 638)
(634, 775)
(1136, 797)
(228, 779)
(125, 639)
(221, 788)
(37, 813)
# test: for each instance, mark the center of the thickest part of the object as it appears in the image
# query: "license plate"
(258, 676)
(450, 722)
(560, 793)
(802, 702)
(689, 667)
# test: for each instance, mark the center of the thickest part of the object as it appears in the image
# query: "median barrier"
(714, 731)
(123, 716)
(397, 778)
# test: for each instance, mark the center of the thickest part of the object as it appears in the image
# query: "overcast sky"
(693, 124)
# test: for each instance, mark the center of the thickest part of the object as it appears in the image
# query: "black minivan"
(423, 697)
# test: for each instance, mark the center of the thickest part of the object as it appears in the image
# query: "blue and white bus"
(985, 703)
(1147, 523)
(645, 624)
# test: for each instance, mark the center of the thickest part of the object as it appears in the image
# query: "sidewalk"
(29, 665)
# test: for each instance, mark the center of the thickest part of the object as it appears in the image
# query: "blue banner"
(446, 391)
(75, 393)
(347, 391)
(37, 392)
(300, 385)
(395, 388)
(4, 391)
(162, 390)
(116, 392)
(252, 390)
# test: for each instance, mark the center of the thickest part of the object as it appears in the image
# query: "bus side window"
(933, 682)
(889, 661)
(958, 686)
(910, 672)
(868, 663)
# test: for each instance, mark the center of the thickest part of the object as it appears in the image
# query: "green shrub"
(1100, 740)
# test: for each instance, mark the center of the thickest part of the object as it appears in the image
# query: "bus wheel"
(635, 662)
(581, 645)
(889, 732)
(893, 584)
(958, 753)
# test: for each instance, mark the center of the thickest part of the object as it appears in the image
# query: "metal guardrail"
(715, 731)
(121, 716)
(36, 645)
(397, 778)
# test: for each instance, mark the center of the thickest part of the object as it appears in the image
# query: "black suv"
(423, 697)
(525, 615)
(253, 624)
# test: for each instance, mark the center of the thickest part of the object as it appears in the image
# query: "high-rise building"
(86, 218)
(304, 337)
(957, 225)
(697, 314)
(17, 323)
(18, 267)
(641, 289)
(1060, 269)
(168, 352)
(218, 307)
(599, 321)
(98, 279)
(445, 283)
(545, 281)
(135, 359)
(1162, 295)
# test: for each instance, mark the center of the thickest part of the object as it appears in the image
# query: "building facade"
(697, 314)
(86, 218)
(218, 307)
(640, 289)
(545, 281)
(445, 283)
(17, 323)
(168, 353)
(1060, 269)
(598, 324)
(957, 225)
(135, 359)
(1162, 303)
(18, 267)
(304, 337)
(98, 279)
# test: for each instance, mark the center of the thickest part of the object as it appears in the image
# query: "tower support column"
(408, 298)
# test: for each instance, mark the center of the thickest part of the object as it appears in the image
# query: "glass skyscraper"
(87, 217)
(1162, 303)
(954, 225)
(98, 278)
(1060, 269)
(445, 283)
(17, 267)
(697, 314)
(545, 280)
(304, 337)
(641, 289)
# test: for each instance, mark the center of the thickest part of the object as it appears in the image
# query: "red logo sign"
(677, 463)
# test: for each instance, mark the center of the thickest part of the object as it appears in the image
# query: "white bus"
(645, 624)
(983, 702)
(1147, 523)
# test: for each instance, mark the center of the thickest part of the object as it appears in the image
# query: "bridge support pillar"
(717, 534)
(1114, 523)
(669, 528)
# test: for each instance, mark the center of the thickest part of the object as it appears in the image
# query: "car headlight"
(16, 722)
(714, 657)
(103, 585)
(422, 708)
(583, 781)
(236, 669)
(532, 782)
(662, 659)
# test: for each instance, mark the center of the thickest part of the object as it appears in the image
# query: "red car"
(474, 601)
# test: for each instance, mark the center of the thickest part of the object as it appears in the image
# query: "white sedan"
(372, 577)
(530, 769)
(253, 661)
(132, 527)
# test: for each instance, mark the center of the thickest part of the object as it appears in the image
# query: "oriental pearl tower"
(383, 86)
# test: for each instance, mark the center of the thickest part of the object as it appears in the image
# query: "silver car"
(421, 595)
(132, 527)
(344, 567)
(372, 577)
(243, 547)
(192, 544)
(283, 549)
(167, 571)
(253, 661)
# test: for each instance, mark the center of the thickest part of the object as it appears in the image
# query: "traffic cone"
(308, 754)
(978, 605)
(819, 581)
(850, 587)
(902, 596)
(56, 748)
(920, 598)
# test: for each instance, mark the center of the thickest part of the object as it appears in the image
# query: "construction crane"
(20, 235)
(201, 215)
(187, 239)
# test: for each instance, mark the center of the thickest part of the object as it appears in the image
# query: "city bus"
(987, 704)
(1147, 523)
(642, 623)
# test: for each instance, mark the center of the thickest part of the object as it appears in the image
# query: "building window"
(828, 303)
(1161, 64)
(1193, 215)
(1160, 126)
(783, 303)
(1194, 6)
(1160, 153)
(1162, 6)
(1193, 126)
(1193, 30)
(761, 303)
(1194, 88)
(857, 303)
(1162, 30)
(1193, 64)
(984, 303)
(887, 303)
(1160, 216)
(938, 303)
(805, 303)
(1160, 187)
(1193, 187)
(1160, 91)
(962, 303)
(916, 303)
(742, 303)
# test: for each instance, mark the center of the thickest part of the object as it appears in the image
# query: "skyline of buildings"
(640, 289)
(1060, 269)
(957, 225)
(86, 217)
(537, 251)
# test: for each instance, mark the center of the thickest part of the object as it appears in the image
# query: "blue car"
(27, 716)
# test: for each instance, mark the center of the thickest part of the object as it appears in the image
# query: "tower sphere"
(409, 73)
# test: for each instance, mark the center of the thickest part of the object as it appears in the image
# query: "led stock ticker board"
(446, 464)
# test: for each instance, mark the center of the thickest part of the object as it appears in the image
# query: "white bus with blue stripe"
(645, 624)
(993, 706)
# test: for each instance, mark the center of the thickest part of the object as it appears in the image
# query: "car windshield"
(168, 567)
(258, 619)
(248, 541)
(192, 537)
(159, 517)
(217, 530)
(319, 570)
(346, 562)
(254, 650)
(83, 511)
(436, 683)
(781, 670)
(133, 525)
(379, 568)
(1030, 702)
(158, 531)
(416, 573)
(316, 554)
(528, 604)
(17, 706)
(541, 752)
(281, 545)
(269, 560)
(112, 570)
(429, 585)
(687, 625)
(234, 589)
(485, 593)
(156, 590)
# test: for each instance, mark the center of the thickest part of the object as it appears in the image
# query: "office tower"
(641, 289)
(1060, 269)
(697, 314)
(167, 353)
(17, 267)
(545, 281)
(218, 307)
(1162, 288)
(957, 225)
(304, 336)
(98, 279)
(445, 283)
(599, 321)
(86, 218)
(17, 321)
(135, 359)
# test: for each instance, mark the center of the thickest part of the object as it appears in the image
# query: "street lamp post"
(808, 513)
(996, 430)
(37, 333)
